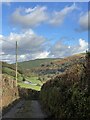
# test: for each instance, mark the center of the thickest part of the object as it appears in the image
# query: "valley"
(50, 82)
(45, 60)
(42, 71)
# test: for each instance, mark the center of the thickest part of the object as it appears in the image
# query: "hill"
(66, 96)
(50, 66)
(10, 70)
(35, 63)
(63, 85)
(32, 74)
(31, 82)
(51, 62)
(58, 66)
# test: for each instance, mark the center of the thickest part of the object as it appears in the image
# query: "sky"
(43, 30)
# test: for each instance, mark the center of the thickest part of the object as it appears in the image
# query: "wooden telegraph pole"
(16, 63)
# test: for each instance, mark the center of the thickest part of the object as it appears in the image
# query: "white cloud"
(83, 45)
(59, 17)
(84, 21)
(29, 17)
(30, 46)
(28, 10)
(42, 55)
(22, 56)
(2, 53)
(61, 50)
(27, 40)
(11, 58)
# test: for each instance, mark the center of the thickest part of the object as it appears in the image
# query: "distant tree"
(42, 65)
(51, 63)
(24, 79)
(39, 78)
(88, 53)
(47, 65)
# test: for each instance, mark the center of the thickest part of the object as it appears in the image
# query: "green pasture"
(33, 80)
(34, 87)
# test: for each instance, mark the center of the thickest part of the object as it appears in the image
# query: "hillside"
(66, 96)
(58, 66)
(62, 84)
(48, 66)
(51, 62)
(35, 63)
(24, 80)
(34, 73)
(10, 70)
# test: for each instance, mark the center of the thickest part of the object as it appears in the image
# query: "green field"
(11, 73)
(23, 85)
(33, 80)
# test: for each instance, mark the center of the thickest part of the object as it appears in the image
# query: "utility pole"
(16, 63)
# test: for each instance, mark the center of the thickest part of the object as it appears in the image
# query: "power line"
(7, 41)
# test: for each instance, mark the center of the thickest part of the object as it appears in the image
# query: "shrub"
(65, 98)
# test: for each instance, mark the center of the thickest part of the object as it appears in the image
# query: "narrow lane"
(37, 112)
(13, 111)
(26, 109)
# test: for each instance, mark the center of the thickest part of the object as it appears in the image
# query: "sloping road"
(26, 109)
(36, 110)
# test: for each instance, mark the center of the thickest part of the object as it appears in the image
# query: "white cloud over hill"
(33, 46)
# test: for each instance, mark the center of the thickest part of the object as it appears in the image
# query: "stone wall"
(9, 91)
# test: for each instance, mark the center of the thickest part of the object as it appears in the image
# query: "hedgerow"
(66, 96)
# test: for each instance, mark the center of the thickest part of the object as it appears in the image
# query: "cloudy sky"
(43, 30)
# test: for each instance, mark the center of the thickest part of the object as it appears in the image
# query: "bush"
(64, 96)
